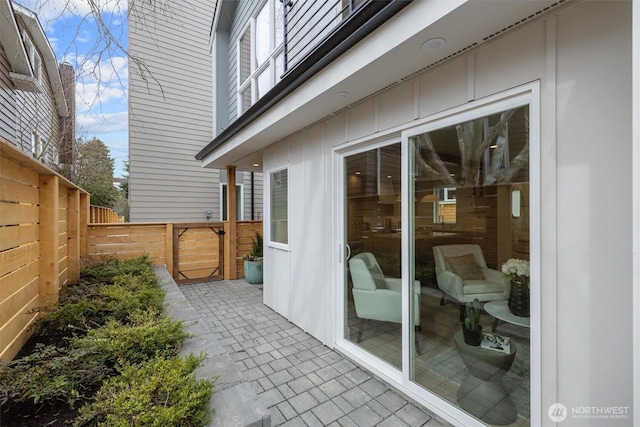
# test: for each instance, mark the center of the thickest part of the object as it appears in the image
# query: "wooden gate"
(198, 252)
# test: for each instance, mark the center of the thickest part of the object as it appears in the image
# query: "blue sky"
(101, 66)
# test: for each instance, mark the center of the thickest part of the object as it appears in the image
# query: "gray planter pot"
(253, 272)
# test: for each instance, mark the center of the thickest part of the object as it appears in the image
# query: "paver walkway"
(301, 381)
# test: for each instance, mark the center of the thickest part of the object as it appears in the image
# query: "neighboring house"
(371, 119)
(170, 117)
(37, 93)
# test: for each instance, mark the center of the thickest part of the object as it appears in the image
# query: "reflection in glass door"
(373, 286)
(470, 184)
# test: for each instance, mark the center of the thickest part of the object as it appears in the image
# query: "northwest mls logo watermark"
(558, 412)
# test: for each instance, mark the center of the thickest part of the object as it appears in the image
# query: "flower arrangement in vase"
(517, 271)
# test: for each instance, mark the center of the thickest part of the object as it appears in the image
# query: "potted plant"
(471, 328)
(253, 261)
(517, 271)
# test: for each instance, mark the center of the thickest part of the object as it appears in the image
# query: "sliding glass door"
(470, 183)
(373, 288)
(437, 234)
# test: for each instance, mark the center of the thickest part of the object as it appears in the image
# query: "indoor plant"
(517, 271)
(471, 328)
(253, 261)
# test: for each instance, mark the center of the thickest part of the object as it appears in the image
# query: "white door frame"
(523, 95)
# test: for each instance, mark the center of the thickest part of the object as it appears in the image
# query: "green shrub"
(79, 309)
(132, 286)
(148, 336)
(107, 268)
(160, 393)
(51, 374)
(130, 293)
(109, 322)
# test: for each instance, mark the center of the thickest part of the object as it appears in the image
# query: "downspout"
(252, 199)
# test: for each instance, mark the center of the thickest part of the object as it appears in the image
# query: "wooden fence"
(101, 215)
(129, 240)
(43, 229)
(245, 231)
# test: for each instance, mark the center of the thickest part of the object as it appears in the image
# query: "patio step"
(234, 400)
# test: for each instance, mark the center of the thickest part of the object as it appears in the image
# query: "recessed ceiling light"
(343, 94)
(255, 165)
(432, 44)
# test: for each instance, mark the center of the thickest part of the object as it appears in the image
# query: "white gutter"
(12, 42)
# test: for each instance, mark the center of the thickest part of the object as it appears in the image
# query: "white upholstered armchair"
(462, 274)
(377, 297)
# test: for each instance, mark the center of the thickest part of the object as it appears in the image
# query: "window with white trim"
(36, 145)
(279, 206)
(34, 56)
(239, 202)
(260, 54)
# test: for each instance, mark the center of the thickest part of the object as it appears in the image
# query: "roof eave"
(49, 58)
(13, 45)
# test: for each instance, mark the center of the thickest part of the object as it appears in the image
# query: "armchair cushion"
(490, 285)
(377, 276)
(377, 297)
(465, 266)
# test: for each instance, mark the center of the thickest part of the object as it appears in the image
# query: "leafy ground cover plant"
(162, 392)
(108, 325)
(146, 336)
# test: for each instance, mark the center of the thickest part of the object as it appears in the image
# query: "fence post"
(169, 247)
(85, 212)
(230, 234)
(73, 224)
(49, 213)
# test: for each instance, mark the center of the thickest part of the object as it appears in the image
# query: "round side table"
(481, 392)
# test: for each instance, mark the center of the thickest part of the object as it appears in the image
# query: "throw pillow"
(377, 276)
(465, 266)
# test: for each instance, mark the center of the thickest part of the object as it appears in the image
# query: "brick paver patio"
(301, 381)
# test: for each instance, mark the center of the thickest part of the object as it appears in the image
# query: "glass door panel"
(373, 285)
(464, 226)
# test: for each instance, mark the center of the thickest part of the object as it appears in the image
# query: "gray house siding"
(27, 116)
(172, 114)
(7, 100)
(36, 115)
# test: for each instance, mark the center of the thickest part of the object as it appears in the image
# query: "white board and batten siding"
(586, 248)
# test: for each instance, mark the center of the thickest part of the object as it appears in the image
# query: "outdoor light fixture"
(342, 94)
(432, 44)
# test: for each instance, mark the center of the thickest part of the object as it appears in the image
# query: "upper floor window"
(260, 54)
(33, 55)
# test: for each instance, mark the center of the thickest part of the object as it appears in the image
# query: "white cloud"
(97, 96)
(100, 84)
(51, 10)
(91, 123)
